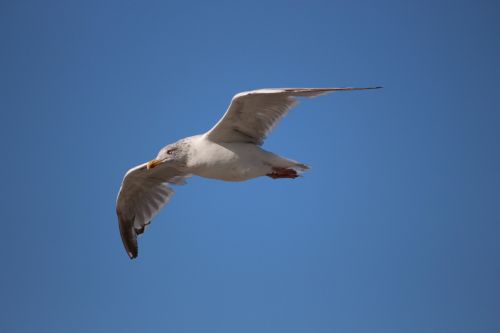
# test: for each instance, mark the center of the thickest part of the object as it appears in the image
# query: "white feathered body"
(232, 161)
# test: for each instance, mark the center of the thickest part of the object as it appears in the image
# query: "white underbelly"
(230, 162)
(229, 172)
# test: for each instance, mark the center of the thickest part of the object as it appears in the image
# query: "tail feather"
(299, 167)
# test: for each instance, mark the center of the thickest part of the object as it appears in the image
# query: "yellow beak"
(151, 164)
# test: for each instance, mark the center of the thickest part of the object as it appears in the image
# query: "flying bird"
(230, 151)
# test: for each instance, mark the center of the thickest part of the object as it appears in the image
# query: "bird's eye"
(170, 151)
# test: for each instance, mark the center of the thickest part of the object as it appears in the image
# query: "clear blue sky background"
(395, 229)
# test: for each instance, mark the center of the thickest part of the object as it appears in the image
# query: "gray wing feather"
(252, 115)
(142, 195)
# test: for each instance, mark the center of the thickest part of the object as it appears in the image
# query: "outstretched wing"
(252, 115)
(142, 195)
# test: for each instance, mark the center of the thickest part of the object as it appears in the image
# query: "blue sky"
(395, 228)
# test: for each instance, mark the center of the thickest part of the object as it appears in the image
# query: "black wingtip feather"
(129, 237)
(364, 88)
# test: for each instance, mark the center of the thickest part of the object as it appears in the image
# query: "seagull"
(230, 151)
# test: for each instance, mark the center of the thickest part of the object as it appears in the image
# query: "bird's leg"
(283, 173)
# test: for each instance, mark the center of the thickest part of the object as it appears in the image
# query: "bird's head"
(173, 152)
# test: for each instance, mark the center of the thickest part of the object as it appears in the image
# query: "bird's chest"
(222, 162)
